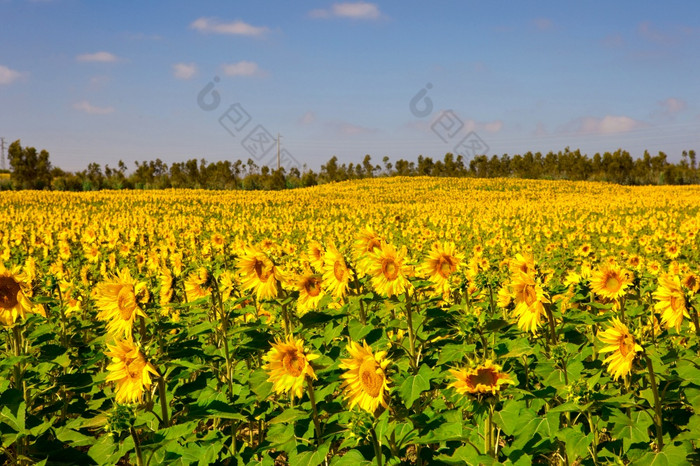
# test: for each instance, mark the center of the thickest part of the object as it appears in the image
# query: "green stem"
(552, 326)
(594, 431)
(657, 404)
(312, 398)
(137, 447)
(377, 447)
(363, 314)
(411, 336)
(163, 401)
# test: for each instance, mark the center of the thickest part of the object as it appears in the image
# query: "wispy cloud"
(307, 118)
(649, 32)
(87, 107)
(236, 28)
(352, 10)
(671, 106)
(184, 71)
(609, 124)
(100, 57)
(612, 41)
(8, 75)
(243, 68)
(543, 24)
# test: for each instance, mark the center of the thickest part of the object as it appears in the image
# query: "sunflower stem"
(137, 447)
(411, 336)
(377, 447)
(312, 399)
(489, 431)
(552, 326)
(163, 402)
(696, 321)
(363, 315)
(657, 403)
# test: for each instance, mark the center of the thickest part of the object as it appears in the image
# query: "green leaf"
(414, 385)
(452, 352)
(575, 442)
(311, 458)
(631, 430)
(289, 415)
(509, 416)
(350, 458)
(670, 455)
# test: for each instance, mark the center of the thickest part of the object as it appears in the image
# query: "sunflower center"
(261, 270)
(312, 287)
(483, 376)
(677, 303)
(445, 266)
(371, 377)
(626, 344)
(134, 366)
(612, 283)
(390, 269)
(373, 244)
(339, 270)
(8, 292)
(293, 364)
(126, 302)
(529, 295)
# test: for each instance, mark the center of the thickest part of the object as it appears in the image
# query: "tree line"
(31, 169)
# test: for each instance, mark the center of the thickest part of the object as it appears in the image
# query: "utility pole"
(2, 154)
(278, 151)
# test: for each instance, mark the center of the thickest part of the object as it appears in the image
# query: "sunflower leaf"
(414, 385)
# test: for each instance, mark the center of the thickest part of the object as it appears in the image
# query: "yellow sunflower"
(310, 293)
(529, 299)
(118, 301)
(130, 370)
(388, 270)
(196, 285)
(522, 263)
(226, 285)
(620, 342)
(671, 301)
(336, 273)
(14, 296)
(440, 265)
(315, 256)
(366, 384)
(166, 286)
(692, 282)
(367, 241)
(259, 273)
(484, 378)
(610, 282)
(287, 364)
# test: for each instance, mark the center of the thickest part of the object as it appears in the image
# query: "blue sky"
(104, 81)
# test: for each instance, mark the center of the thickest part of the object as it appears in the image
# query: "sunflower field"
(383, 321)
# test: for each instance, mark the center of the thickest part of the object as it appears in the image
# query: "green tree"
(29, 169)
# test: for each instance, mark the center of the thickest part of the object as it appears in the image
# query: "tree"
(29, 169)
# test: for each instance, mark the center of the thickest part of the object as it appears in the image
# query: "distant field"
(4, 176)
(434, 321)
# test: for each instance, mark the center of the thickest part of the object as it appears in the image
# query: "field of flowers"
(385, 321)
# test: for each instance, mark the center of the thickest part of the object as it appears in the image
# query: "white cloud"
(307, 118)
(352, 10)
(101, 57)
(184, 70)
(671, 106)
(87, 107)
(238, 28)
(243, 68)
(609, 124)
(649, 32)
(7, 75)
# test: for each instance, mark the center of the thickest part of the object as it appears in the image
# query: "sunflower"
(226, 285)
(522, 263)
(610, 282)
(529, 299)
(196, 285)
(336, 273)
(166, 286)
(259, 273)
(620, 342)
(287, 364)
(367, 241)
(692, 282)
(365, 384)
(671, 301)
(310, 292)
(130, 370)
(315, 255)
(388, 270)
(441, 263)
(484, 378)
(14, 296)
(118, 301)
